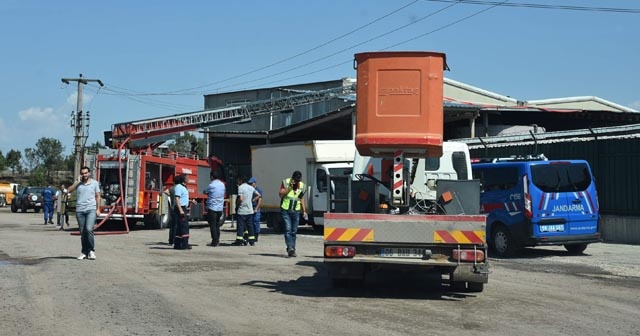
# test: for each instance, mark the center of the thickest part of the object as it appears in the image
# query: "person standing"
(61, 207)
(215, 205)
(173, 219)
(87, 209)
(256, 201)
(48, 195)
(292, 203)
(181, 240)
(244, 212)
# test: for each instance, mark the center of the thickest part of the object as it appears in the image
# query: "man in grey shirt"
(245, 211)
(87, 209)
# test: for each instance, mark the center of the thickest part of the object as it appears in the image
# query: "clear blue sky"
(158, 47)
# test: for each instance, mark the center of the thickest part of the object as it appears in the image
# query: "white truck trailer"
(316, 160)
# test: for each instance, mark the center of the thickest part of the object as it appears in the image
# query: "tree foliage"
(39, 177)
(3, 162)
(188, 143)
(31, 160)
(49, 152)
(14, 159)
(94, 147)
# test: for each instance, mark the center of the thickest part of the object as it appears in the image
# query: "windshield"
(37, 191)
(561, 177)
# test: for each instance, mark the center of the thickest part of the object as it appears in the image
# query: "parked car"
(28, 198)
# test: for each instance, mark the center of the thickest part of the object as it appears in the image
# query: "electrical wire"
(342, 50)
(182, 91)
(543, 6)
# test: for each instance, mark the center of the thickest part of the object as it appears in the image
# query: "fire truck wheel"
(156, 221)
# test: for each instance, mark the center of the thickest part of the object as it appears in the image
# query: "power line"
(543, 6)
(394, 45)
(340, 51)
(181, 92)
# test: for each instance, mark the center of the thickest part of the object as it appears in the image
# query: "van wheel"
(503, 243)
(576, 248)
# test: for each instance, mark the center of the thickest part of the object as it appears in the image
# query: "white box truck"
(316, 160)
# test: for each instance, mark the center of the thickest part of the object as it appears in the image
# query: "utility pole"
(80, 139)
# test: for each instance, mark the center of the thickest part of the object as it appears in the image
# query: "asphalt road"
(140, 286)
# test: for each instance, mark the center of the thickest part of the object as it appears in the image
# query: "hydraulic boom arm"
(154, 131)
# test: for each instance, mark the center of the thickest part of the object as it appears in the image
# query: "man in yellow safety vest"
(291, 206)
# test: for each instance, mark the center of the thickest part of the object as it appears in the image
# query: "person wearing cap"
(292, 204)
(257, 203)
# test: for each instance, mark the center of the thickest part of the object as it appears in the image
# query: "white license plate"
(38, 204)
(401, 252)
(552, 228)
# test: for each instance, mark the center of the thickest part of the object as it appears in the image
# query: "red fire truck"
(135, 173)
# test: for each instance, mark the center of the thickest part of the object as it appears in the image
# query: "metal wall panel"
(615, 164)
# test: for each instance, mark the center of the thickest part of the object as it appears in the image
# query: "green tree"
(69, 163)
(185, 143)
(14, 159)
(31, 160)
(38, 177)
(94, 147)
(49, 153)
(3, 162)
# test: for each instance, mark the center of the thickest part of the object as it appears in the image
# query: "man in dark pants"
(181, 240)
(215, 205)
(244, 212)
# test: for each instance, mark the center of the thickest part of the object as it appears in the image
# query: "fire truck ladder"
(143, 132)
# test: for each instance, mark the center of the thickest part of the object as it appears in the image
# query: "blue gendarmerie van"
(533, 201)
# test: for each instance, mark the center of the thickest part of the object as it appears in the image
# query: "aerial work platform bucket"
(399, 103)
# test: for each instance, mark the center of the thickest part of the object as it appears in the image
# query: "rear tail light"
(468, 255)
(528, 212)
(339, 251)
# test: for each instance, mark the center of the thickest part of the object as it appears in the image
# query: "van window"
(561, 177)
(498, 178)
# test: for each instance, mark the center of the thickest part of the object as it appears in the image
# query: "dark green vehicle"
(28, 198)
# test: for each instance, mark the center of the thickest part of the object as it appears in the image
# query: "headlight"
(34, 198)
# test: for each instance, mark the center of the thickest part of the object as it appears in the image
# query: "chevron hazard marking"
(343, 234)
(459, 237)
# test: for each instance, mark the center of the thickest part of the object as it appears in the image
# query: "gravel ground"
(140, 286)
